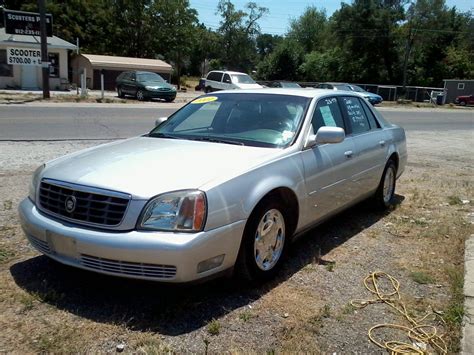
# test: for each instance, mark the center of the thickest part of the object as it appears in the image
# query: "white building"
(28, 76)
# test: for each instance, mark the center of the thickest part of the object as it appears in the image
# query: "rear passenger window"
(356, 115)
(327, 113)
(373, 122)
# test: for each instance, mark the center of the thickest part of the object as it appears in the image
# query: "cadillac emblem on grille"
(70, 204)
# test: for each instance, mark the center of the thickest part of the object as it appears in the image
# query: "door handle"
(348, 153)
(382, 143)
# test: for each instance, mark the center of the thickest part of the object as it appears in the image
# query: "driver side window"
(327, 113)
(227, 79)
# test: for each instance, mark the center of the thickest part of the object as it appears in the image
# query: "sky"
(282, 11)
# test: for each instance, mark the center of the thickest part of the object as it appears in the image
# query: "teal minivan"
(144, 85)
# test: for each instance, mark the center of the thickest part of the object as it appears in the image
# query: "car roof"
(227, 72)
(309, 93)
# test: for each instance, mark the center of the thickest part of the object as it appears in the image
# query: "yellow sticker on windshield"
(204, 100)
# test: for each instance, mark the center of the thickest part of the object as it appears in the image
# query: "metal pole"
(102, 85)
(44, 49)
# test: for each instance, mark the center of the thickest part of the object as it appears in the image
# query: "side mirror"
(160, 120)
(325, 135)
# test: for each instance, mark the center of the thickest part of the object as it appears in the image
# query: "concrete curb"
(467, 342)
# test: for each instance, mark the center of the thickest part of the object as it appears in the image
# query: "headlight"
(34, 182)
(180, 211)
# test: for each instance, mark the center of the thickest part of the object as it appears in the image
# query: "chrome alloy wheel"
(140, 95)
(389, 184)
(269, 239)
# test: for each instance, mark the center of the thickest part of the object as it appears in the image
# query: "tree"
(239, 30)
(282, 63)
(309, 30)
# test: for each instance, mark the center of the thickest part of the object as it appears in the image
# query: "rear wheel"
(264, 241)
(462, 103)
(120, 92)
(384, 197)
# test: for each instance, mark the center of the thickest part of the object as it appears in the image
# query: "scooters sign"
(26, 23)
(23, 56)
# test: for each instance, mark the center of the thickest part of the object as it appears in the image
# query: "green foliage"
(371, 41)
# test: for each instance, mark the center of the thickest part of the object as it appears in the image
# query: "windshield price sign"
(23, 56)
(26, 23)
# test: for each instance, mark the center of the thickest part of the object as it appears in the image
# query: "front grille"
(128, 268)
(40, 245)
(90, 208)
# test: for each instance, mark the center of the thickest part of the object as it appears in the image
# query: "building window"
(460, 86)
(5, 69)
(53, 59)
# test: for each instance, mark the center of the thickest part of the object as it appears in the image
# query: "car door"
(370, 143)
(227, 82)
(328, 168)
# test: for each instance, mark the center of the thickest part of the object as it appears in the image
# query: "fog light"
(210, 263)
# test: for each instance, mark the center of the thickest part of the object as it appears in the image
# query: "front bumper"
(160, 256)
(155, 94)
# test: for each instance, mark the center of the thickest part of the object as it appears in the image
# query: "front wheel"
(384, 196)
(462, 103)
(140, 95)
(264, 241)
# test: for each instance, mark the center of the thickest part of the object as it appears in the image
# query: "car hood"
(249, 86)
(145, 167)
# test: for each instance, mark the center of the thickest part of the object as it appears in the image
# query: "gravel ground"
(48, 307)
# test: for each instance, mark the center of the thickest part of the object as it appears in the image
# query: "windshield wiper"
(215, 140)
(161, 135)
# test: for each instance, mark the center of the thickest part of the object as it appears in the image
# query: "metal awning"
(128, 63)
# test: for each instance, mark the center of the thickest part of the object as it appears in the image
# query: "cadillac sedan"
(225, 183)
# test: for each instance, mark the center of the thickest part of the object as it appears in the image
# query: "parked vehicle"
(226, 182)
(464, 100)
(284, 84)
(144, 85)
(374, 99)
(228, 80)
(371, 97)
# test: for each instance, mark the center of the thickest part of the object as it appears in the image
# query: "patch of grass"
(454, 200)
(330, 266)
(7, 205)
(214, 327)
(150, 346)
(421, 277)
(348, 309)
(246, 316)
(49, 296)
(28, 301)
(454, 312)
(317, 320)
(5, 254)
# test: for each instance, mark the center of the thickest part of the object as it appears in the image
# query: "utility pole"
(44, 49)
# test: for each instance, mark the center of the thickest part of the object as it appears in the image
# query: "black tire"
(462, 103)
(207, 89)
(169, 99)
(120, 92)
(140, 95)
(246, 266)
(383, 199)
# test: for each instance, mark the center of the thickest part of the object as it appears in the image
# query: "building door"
(29, 77)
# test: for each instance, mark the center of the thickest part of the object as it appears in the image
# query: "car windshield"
(343, 87)
(150, 77)
(242, 79)
(290, 85)
(357, 88)
(259, 120)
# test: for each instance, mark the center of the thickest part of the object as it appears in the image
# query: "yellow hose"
(423, 336)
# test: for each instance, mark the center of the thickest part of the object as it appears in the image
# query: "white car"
(229, 80)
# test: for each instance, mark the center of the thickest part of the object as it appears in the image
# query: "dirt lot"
(47, 307)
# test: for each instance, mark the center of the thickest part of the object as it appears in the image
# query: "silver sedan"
(225, 183)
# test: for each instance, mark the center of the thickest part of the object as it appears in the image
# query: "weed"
(246, 315)
(326, 311)
(5, 255)
(455, 311)
(317, 320)
(50, 296)
(454, 200)
(214, 327)
(7, 205)
(348, 309)
(151, 346)
(27, 301)
(421, 277)
(330, 266)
